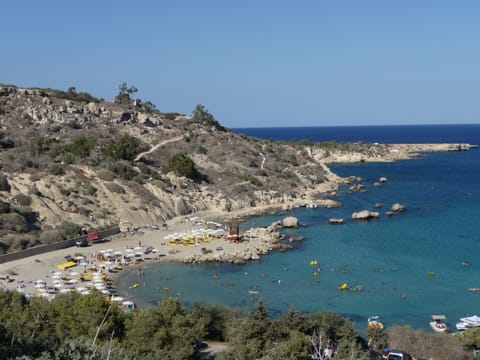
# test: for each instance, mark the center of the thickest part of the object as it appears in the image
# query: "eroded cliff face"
(237, 173)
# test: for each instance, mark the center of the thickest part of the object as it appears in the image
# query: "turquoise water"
(389, 257)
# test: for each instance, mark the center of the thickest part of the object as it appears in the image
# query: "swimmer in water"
(215, 277)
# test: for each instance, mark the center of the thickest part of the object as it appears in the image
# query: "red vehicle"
(94, 237)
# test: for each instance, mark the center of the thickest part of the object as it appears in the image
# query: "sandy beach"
(25, 273)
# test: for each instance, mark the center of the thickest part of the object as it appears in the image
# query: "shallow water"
(390, 257)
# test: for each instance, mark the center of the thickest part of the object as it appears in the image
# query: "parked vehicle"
(94, 237)
(81, 243)
(398, 355)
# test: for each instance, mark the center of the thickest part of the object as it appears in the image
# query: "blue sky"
(257, 63)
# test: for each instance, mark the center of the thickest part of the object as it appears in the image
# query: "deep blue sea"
(409, 265)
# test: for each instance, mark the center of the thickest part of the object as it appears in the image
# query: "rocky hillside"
(72, 161)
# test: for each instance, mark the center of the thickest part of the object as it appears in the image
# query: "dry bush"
(425, 346)
(50, 236)
(105, 175)
(13, 221)
(23, 200)
(21, 242)
(114, 188)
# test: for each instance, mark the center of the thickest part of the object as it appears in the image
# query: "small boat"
(375, 323)
(474, 289)
(438, 324)
(343, 287)
(468, 322)
(474, 320)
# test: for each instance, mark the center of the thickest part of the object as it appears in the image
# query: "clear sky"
(257, 63)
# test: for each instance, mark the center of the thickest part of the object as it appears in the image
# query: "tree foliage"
(124, 94)
(125, 148)
(182, 165)
(202, 115)
(73, 326)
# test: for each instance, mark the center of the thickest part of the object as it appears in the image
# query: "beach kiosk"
(233, 230)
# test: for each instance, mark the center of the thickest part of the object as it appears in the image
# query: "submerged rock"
(336, 221)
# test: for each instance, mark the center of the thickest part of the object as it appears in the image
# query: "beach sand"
(22, 274)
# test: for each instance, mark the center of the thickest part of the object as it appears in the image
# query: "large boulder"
(398, 208)
(365, 215)
(290, 222)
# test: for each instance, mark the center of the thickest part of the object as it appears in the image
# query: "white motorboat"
(439, 323)
(473, 321)
(468, 322)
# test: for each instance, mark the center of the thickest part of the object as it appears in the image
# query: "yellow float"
(343, 287)
(314, 262)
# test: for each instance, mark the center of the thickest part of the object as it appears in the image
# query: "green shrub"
(69, 229)
(182, 165)
(252, 179)
(171, 116)
(13, 221)
(50, 236)
(114, 188)
(105, 175)
(4, 185)
(125, 148)
(81, 147)
(23, 200)
(19, 243)
(56, 169)
(64, 191)
(4, 207)
(288, 175)
(202, 150)
(123, 169)
(71, 94)
(35, 177)
(34, 190)
(91, 190)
